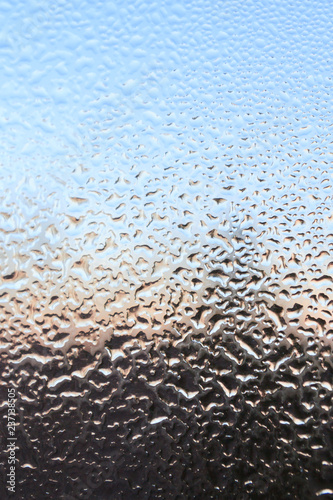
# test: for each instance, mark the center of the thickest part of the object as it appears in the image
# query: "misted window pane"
(166, 250)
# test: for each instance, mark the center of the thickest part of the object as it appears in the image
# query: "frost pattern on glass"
(166, 237)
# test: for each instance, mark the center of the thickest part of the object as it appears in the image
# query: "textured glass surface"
(166, 249)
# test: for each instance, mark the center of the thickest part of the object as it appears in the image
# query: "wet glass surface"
(166, 249)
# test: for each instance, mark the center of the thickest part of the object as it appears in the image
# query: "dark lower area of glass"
(176, 419)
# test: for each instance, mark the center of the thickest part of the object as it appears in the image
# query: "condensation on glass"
(166, 248)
